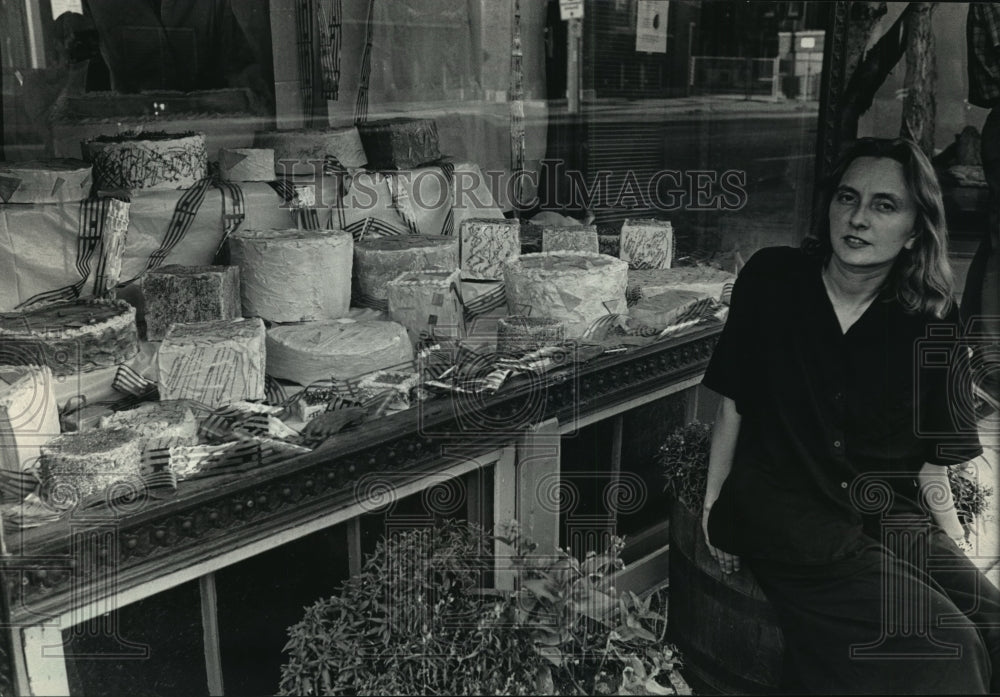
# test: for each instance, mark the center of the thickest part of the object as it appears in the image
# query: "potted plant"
(418, 620)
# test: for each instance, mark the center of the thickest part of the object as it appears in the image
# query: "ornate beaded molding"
(98, 554)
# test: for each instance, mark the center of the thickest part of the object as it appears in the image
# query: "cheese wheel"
(57, 180)
(403, 143)
(70, 337)
(427, 302)
(294, 275)
(155, 161)
(647, 243)
(577, 288)
(379, 260)
(29, 414)
(486, 244)
(246, 164)
(343, 349)
(215, 363)
(700, 279)
(76, 465)
(573, 238)
(662, 310)
(305, 146)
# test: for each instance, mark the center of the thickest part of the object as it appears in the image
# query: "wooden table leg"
(504, 511)
(210, 631)
(538, 485)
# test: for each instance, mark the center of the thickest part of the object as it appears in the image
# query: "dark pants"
(918, 619)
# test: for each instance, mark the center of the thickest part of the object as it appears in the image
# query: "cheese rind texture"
(700, 279)
(312, 351)
(172, 419)
(246, 164)
(577, 288)
(294, 275)
(647, 243)
(427, 301)
(298, 147)
(70, 337)
(29, 414)
(184, 294)
(76, 465)
(134, 163)
(56, 180)
(520, 334)
(215, 363)
(575, 238)
(400, 143)
(379, 260)
(486, 244)
(662, 310)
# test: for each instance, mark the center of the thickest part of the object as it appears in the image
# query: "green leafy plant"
(417, 620)
(683, 461)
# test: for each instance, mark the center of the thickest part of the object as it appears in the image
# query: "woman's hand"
(729, 563)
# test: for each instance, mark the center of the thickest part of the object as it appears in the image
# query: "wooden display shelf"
(60, 575)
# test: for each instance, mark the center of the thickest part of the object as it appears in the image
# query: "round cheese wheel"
(294, 275)
(57, 180)
(70, 337)
(135, 161)
(343, 349)
(379, 260)
(302, 146)
(577, 288)
(74, 466)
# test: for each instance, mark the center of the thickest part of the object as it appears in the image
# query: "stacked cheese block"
(183, 294)
(380, 260)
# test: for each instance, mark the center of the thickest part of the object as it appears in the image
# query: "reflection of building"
(801, 56)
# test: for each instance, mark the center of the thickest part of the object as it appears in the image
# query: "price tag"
(570, 9)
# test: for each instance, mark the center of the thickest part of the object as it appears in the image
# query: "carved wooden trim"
(48, 570)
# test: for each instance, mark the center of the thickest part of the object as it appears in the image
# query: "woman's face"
(872, 214)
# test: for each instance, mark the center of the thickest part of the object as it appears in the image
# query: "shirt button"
(836, 443)
(843, 485)
(839, 396)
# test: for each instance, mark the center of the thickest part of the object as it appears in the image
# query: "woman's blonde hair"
(921, 278)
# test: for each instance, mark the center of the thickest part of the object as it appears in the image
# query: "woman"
(842, 405)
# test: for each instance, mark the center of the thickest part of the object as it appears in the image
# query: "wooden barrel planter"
(726, 629)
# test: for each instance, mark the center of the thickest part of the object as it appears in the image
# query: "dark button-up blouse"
(834, 426)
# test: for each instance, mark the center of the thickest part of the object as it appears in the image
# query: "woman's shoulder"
(775, 262)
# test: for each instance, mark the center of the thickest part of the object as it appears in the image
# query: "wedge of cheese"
(661, 310)
(400, 143)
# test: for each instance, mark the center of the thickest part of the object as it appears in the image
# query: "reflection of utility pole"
(690, 81)
(575, 36)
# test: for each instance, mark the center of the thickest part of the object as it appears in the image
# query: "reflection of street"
(772, 142)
